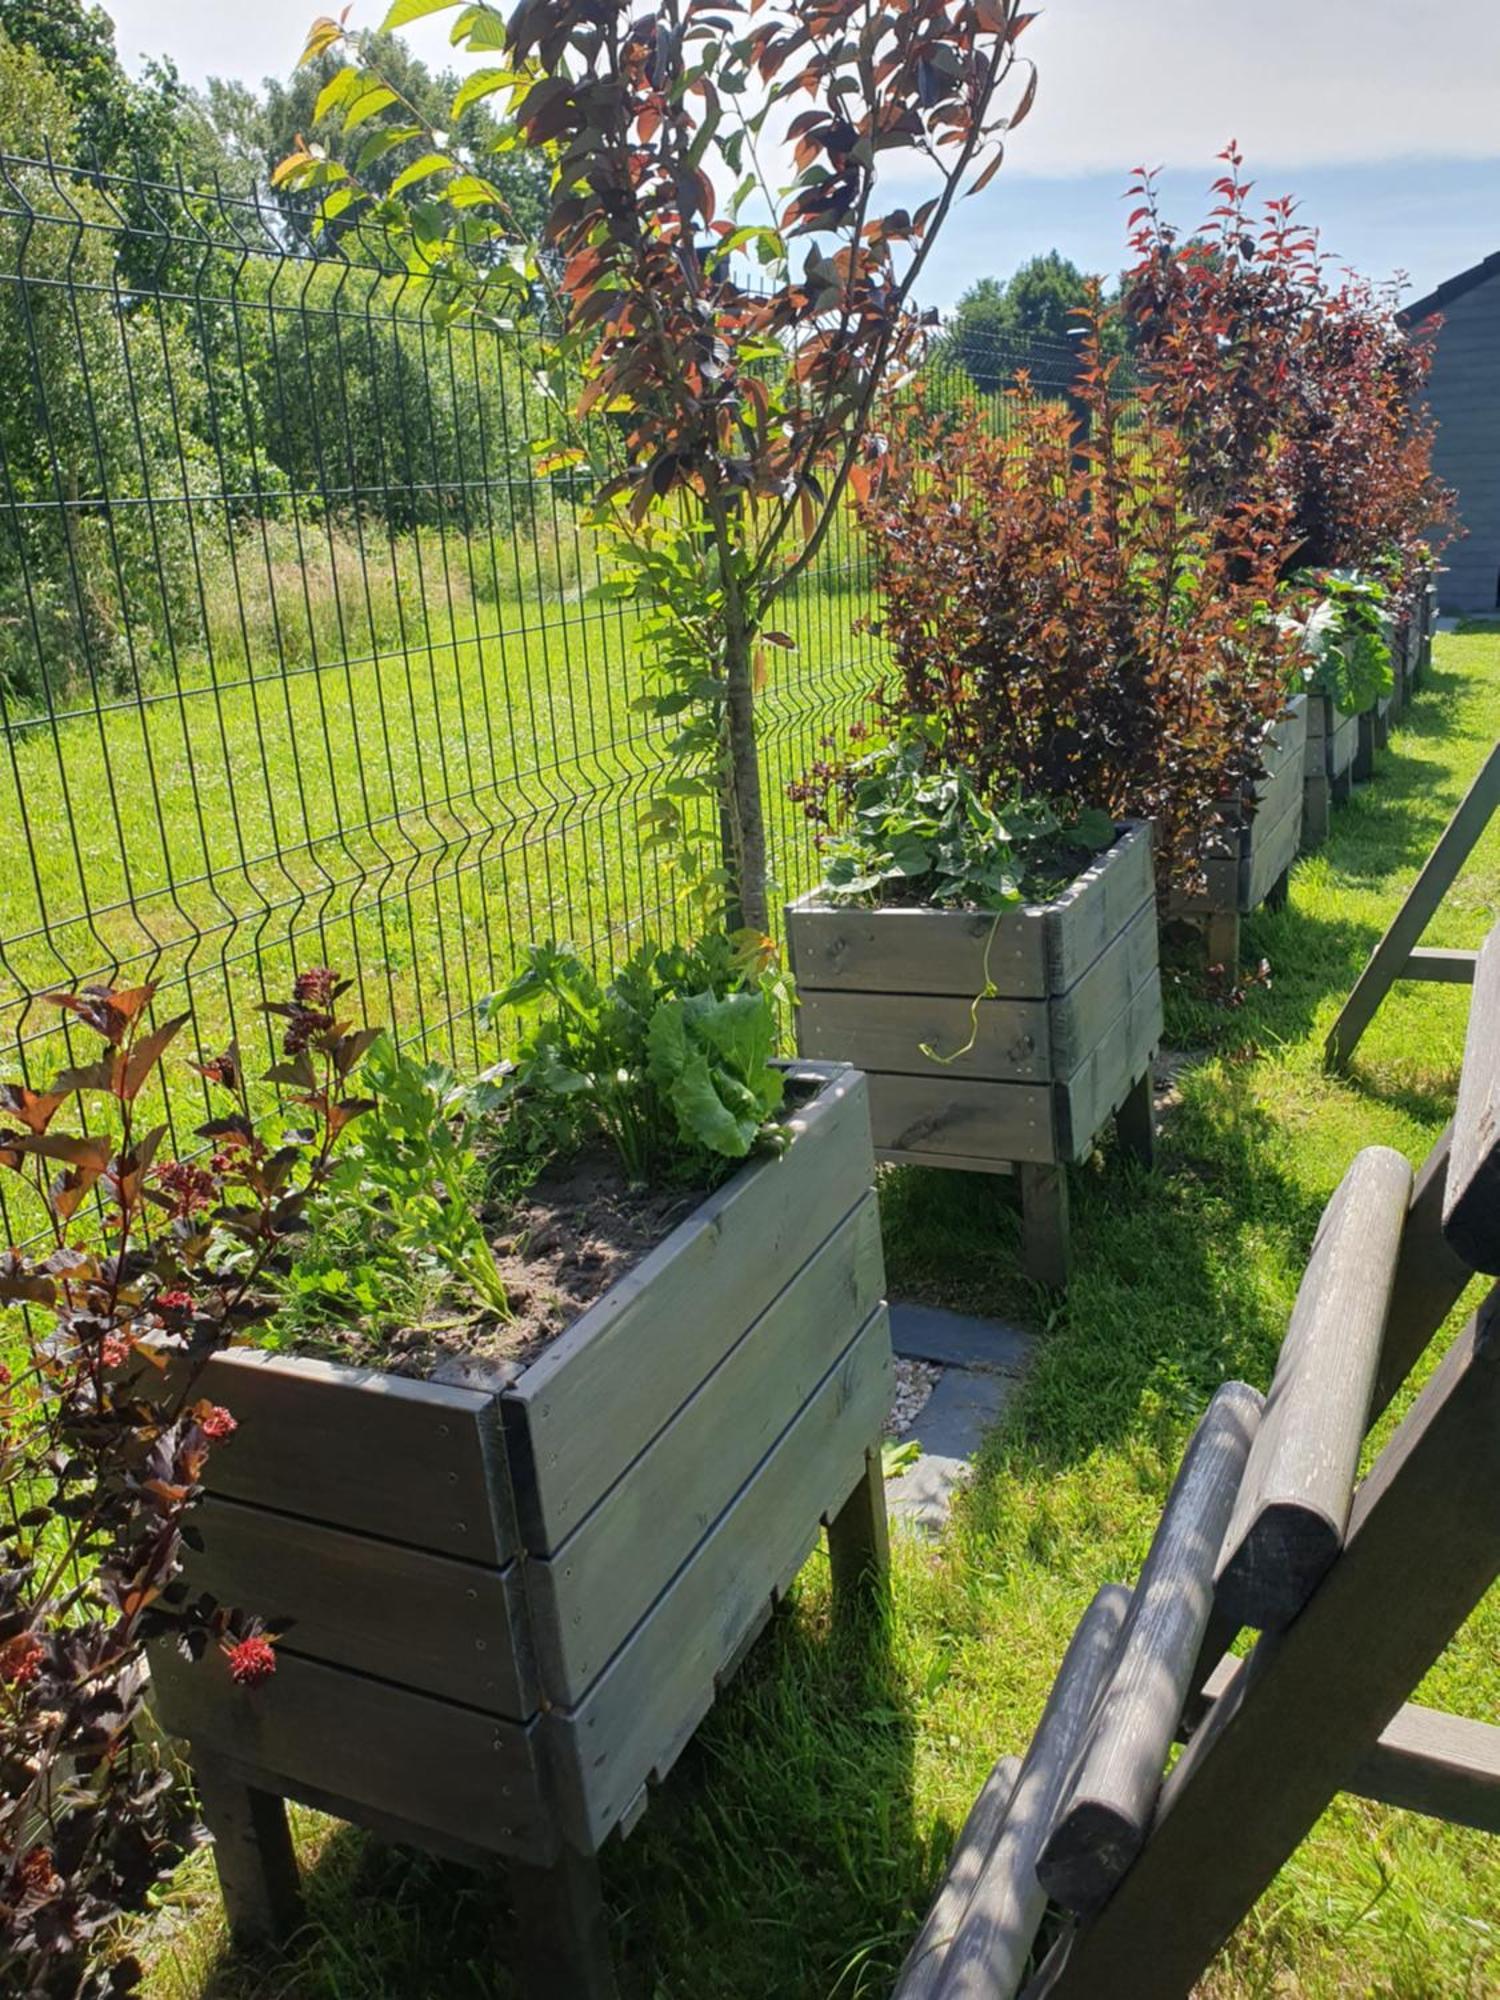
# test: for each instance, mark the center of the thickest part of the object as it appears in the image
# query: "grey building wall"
(1464, 392)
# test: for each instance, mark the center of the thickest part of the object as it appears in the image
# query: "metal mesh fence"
(300, 660)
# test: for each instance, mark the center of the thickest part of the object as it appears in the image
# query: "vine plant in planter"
(1076, 654)
(720, 425)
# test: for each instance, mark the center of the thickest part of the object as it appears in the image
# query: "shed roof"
(1466, 281)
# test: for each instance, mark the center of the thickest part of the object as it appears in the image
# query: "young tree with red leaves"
(1081, 635)
(722, 425)
(1275, 373)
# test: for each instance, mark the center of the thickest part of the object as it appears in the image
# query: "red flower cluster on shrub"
(251, 1660)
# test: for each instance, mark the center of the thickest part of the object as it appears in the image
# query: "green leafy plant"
(906, 825)
(1345, 634)
(668, 1061)
(405, 1194)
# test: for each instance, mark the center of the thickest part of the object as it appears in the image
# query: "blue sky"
(1383, 117)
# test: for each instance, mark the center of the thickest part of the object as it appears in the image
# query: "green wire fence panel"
(301, 656)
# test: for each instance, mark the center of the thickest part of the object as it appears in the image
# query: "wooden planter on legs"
(1332, 747)
(513, 1603)
(1250, 863)
(1064, 1043)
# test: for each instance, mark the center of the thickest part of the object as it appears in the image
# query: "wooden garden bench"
(1355, 1588)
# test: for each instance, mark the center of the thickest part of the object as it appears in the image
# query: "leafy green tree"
(119, 122)
(89, 582)
(1002, 325)
(265, 129)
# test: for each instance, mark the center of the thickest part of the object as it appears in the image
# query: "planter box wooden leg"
(1341, 787)
(253, 1854)
(1280, 891)
(1315, 803)
(1044, 1224)
(1222, 936)
(1135, 1121)
(859, 1550)
(560, 1940)
(1364, 756)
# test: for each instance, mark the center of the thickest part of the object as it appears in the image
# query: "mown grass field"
(411, 796)
(793, 1850)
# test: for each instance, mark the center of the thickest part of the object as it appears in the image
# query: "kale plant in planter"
(509, 1564)
(1344, 632)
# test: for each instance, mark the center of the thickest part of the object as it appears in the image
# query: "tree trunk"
(746, 858)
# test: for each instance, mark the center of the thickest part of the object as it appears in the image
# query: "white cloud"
(1298, 82)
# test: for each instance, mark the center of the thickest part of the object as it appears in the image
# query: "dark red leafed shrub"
(1080, 634)
(144, 1268)
(1275, 370)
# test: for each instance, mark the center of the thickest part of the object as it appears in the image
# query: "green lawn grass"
(412, 802)
(792, 1851)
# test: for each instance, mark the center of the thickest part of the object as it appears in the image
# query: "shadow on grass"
(785, 1821)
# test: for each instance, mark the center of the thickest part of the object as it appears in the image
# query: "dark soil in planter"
(559, 1247)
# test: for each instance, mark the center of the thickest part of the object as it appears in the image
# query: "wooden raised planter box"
(512, 1604)
(1332, 746)
(1250, 863)
(1066, 1042)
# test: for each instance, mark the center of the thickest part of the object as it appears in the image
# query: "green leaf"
(420, 170)
(401, 12)
(368, 104)
(337, 88)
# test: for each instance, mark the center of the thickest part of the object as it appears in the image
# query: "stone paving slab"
(955, 1340)
(983, 1363)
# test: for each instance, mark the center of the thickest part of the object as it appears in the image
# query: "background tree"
(265, 127)
(737, 419)
(1001, 325)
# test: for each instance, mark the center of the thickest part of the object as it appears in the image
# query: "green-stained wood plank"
(588, 1597)
(449, 1628)
(583, 1413)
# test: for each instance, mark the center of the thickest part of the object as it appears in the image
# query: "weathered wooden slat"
(429, 1763)
(641, 1710)
(924, 1962)
(1471, 1205)
(887, 1031)
(320, 1440)
(1302, 1713)
(1294, 1504)
(1106, 1810)
(1336, 731)
(460, 1631)
(588, 1597)
(1443, 968)
(1096, 1089)
(875, 951)
(999, 1924)
(942, 1121)
(1080, 1018)
(1430, 1279)
(962, 1162)
(588, 1408)
(1446, 1766)
(1272, 851)
(1092, 911)
(1423, 899)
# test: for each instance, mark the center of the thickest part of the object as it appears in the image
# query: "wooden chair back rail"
(1355, 1592)
(1398, 954)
